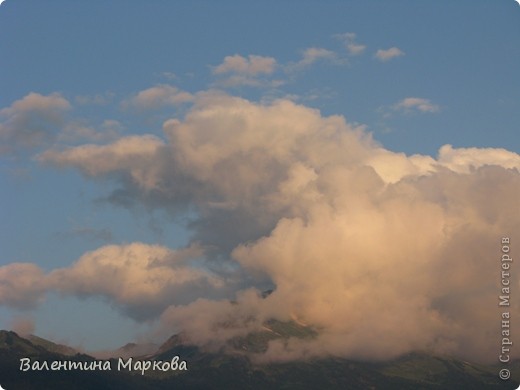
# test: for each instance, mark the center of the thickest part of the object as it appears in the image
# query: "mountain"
(133, 349)
(52, 347)
(14, 348)
(230, 368)
(11, 343)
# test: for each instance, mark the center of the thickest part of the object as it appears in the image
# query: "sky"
(159, 159)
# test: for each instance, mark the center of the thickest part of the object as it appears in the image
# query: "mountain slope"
(14, 348)
(230, 368)
(52, 347)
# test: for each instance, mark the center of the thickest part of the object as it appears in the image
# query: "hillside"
(230, 368)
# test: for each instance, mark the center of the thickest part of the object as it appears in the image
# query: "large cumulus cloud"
(384, 253)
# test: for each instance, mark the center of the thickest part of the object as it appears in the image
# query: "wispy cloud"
(388, 54)
(162, 95)
(76, 131)
(23, 325)
(253, 71)
(349, 39)
(169, 75)
(313, 54)
(411, 104)
(251, 66)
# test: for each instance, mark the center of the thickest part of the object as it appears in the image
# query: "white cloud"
(22, 285)
(353, 48)
(463, 160)
(36, 102)
(143, 279)
(388, 54)
(140, 279)
(159, 96)
(413, 103)
(392, 167)
(254, 71)
(251, 66)
(31, 122)
(93, 160)
(313, 54)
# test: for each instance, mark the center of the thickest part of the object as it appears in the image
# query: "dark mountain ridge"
(231, 368)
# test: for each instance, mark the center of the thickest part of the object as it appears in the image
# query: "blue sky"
(409, 76)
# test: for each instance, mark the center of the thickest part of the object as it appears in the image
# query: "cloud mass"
(382, 252)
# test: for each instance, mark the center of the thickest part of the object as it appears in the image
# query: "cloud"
(24, 326)
(143, 279)
(382, 252)
(212, 322)
(388, 54)
(31, 122)
(254, 71)
(21, 285)
(392, 167)
(328, 273)
(140, 279)
(78, 131)
(253, 137)
(353, 48)
(93, 160)
(162, 95)
(413, 103)
(251, 66)
(313, 54)
(465, 160)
